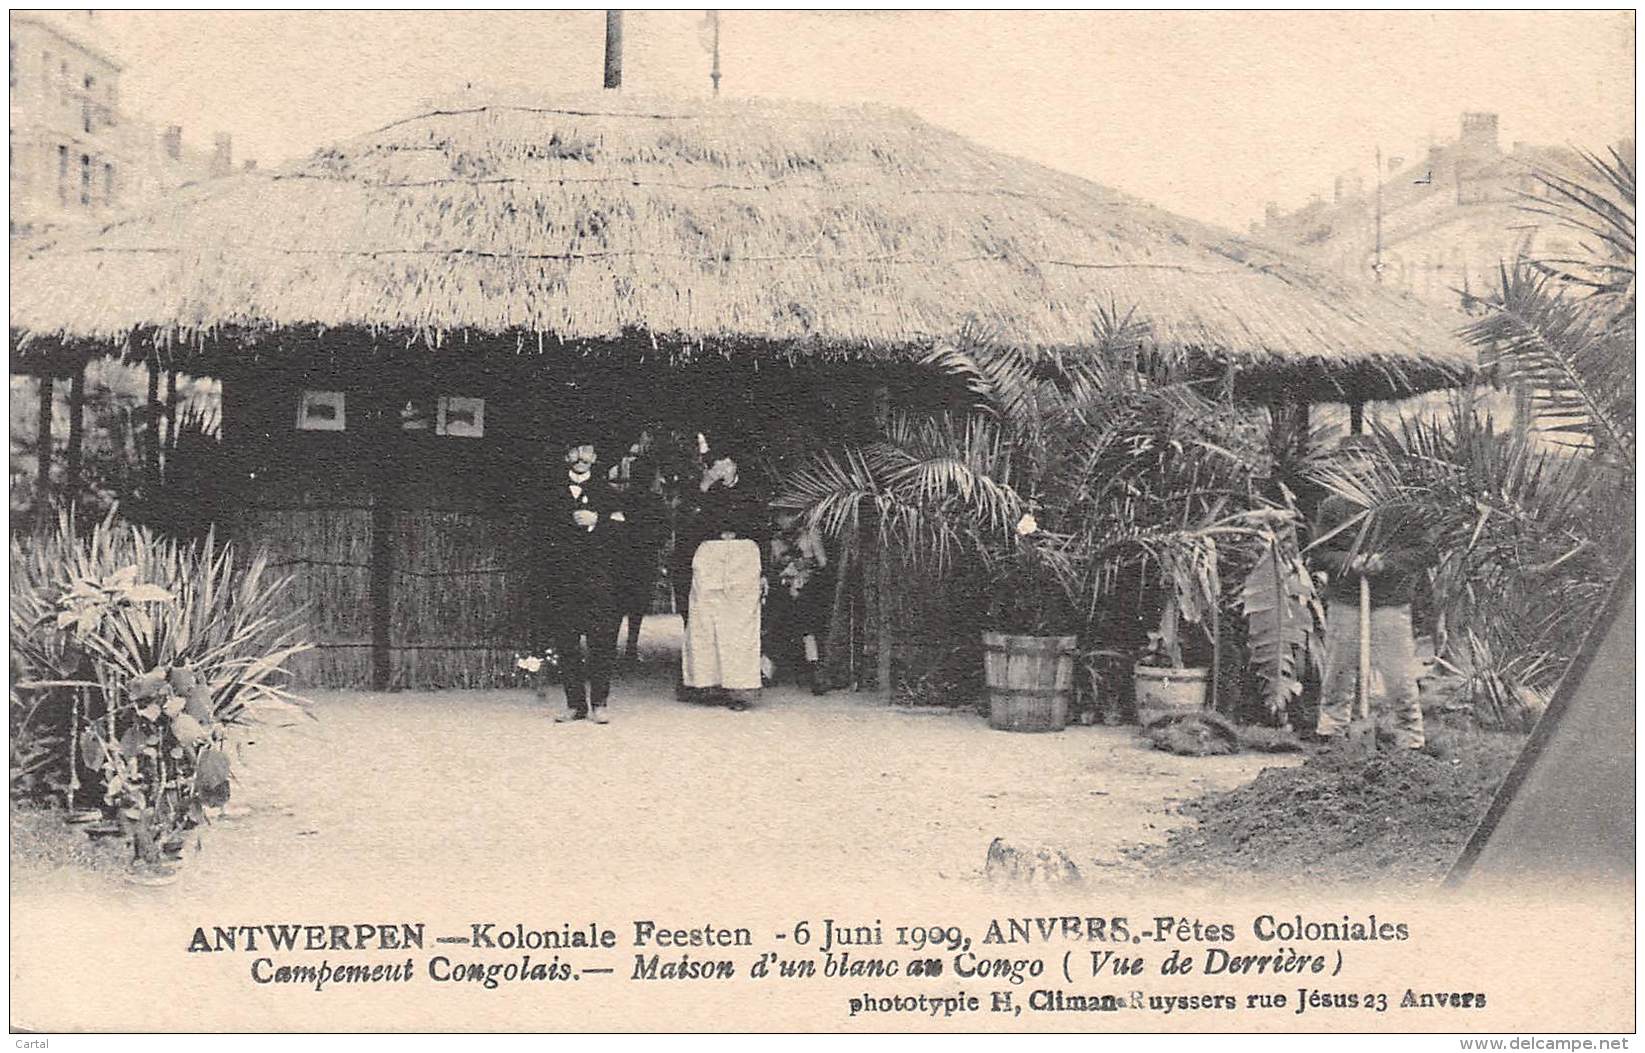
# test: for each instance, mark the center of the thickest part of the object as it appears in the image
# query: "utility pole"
(714, 25)
(1376, 268)
(1356, 408)
(613, 49)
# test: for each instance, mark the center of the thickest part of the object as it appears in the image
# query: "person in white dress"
(722, 636)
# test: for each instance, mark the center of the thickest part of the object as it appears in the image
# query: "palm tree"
(1530, 535)
(1563, 326)
(1086, 493)
(1069, 441)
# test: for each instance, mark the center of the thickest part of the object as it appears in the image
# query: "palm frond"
(1600, 206)
(1578, 371)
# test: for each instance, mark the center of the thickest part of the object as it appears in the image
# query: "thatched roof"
(753, 226)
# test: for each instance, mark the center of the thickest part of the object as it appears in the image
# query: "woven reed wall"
(327, 553)
(461, 609)
(934, 633)
(461, 592)
(460, 550)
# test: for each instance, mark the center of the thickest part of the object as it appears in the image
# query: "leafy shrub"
(132, 657)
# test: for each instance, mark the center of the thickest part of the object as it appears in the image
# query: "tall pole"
(613, 49)
(1376, 268)
(42, 499)
(77, 429)
(714, 74)
(882, 579)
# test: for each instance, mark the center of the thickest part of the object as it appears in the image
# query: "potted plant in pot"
(1191, 591)
(1277, 600)
(1044, 479)
(1030, 649)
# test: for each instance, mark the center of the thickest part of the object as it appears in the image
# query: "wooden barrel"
(1163, 691)
(1030, 680)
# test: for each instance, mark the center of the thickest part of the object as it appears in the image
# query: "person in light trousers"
(1392, 560)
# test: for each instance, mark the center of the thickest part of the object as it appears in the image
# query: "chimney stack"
(222, 159)
(613, 49)
(1479, 133)
(174, 141)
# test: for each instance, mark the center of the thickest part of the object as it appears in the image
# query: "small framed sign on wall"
(461, 417)
(320, 411)
(416, 415)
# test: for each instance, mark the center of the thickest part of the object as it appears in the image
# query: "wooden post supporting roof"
(882, 576)
(152, 450)
(42, 508)
(77, 429)
(381, 420)
(882, 588)
(171, 415)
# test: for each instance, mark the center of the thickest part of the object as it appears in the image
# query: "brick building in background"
(1450, 218)
(74, 157)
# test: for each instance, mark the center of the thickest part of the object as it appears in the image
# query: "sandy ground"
(438, 785)
(451, 807)
(442, 812)
(798, 788)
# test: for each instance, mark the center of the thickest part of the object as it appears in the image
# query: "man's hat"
(581, 432)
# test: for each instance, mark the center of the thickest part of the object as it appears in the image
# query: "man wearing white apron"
(722, 636)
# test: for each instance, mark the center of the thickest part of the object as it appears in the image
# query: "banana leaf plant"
(1284, 618)
(1278, 598)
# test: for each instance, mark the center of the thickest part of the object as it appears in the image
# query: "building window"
(85, 180)
(108, 185)
(11, 65)
(63, 83)
(63, 176)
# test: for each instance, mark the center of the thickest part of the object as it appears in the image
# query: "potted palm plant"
(1081, 491)
(1035, 482)
(1277, 599)
(1029, 650)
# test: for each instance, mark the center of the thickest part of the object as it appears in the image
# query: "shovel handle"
(1364, 648)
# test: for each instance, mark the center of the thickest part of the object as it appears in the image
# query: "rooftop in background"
(77, 30)
(76, 158)
(1450, 216)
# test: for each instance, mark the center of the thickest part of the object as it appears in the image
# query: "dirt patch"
(1398, 816)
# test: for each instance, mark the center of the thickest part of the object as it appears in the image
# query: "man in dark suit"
(583, 527)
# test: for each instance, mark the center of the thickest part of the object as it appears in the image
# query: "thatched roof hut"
(748, 227)
(401, 322)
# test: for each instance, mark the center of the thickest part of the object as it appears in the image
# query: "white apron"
(722, 634)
